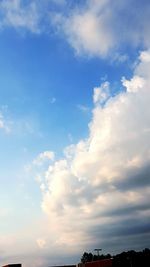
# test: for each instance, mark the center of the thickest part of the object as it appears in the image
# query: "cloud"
(17, 14)
(32, 16)
(102, 93)
(44, 156)
(102, 28)
(100, 190)
(1, 122)
(86, 31)
(134, 84)
(4, 124)
(93, 28)
(41, 242)
(83, 108)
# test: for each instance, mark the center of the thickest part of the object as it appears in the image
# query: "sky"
(74, 129)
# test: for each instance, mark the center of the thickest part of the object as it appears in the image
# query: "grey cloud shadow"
(135, 178)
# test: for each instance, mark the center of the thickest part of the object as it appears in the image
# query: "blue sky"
(74, 128)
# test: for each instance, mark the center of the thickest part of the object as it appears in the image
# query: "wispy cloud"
(17, 14)
(83, 108)
(92, 28)
(101, 28)
(44, 156)
(4, 124)
(102, 93)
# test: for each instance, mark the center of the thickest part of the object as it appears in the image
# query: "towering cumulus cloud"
(99, 192)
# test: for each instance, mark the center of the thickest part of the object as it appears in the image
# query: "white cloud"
(135, 84)
(4, 124)
(44, 156)
(92, 28)
(16, 14)
(1, 122)
(145, 56)
(102, 93)
(101, 28)
(100, 190)
(87, 32)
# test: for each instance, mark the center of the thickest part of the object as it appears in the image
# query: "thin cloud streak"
(15, 14)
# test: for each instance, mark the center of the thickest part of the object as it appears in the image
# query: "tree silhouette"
(125, 259)
(86, 257)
